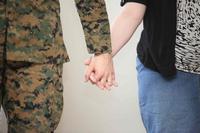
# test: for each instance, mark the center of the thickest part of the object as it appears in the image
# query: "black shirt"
(156, 48)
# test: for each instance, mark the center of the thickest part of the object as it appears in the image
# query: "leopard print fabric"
(187, 47)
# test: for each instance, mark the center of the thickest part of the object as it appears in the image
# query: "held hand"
(100, 71)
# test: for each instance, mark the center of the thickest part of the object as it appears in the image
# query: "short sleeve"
(123, 2)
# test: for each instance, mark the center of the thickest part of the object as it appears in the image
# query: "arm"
(96, 28)
(125, 24)
(95, 24)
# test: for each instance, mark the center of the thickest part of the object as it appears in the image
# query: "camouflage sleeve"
(95, 24)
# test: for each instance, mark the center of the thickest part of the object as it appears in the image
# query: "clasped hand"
(100, 71)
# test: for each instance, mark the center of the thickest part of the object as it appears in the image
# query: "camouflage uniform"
(32, 53)
(32, 96)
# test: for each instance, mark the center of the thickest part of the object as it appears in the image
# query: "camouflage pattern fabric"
(31, 29)
(95, 24)
(32, 96)
(32, 53)
(2, 30)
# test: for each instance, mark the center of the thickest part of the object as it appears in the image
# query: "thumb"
(88, 61)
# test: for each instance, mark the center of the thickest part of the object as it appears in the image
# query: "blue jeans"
(169, 105)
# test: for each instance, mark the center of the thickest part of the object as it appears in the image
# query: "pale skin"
(100, 69)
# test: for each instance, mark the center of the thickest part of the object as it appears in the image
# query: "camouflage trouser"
(31, 96)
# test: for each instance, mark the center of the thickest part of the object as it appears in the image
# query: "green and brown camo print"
(32, 96)
(31, 29)
(95, 23)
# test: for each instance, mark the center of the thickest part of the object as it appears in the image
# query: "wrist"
(104, 57)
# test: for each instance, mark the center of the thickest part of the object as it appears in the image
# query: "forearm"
(125, 25)
(94, 19)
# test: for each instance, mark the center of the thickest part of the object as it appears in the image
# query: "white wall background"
(88, 109)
